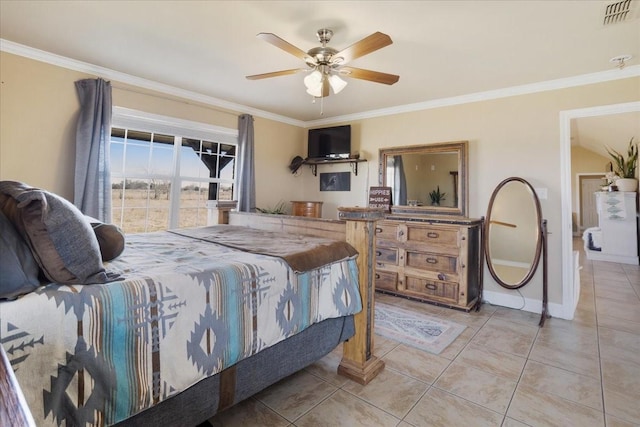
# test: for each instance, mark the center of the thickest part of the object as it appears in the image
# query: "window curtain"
(246, 168)
(92, 194)
(399, 181)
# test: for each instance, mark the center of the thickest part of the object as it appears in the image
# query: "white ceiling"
(441, 49)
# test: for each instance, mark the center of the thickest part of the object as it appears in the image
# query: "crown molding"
(106, 73)
(585, 79)
(112, 75)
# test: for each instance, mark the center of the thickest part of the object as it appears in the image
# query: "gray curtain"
(399, 181)
(92, 177)
(246, 169)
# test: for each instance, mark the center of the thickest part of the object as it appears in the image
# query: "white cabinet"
(617, 233)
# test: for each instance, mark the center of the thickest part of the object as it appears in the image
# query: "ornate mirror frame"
(460, 179)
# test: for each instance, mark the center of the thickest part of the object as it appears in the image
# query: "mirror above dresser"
(426, 179)
(427, 248)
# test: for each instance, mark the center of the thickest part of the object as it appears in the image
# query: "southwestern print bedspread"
(186, 309)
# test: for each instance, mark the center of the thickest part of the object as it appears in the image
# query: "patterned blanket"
(301, 252)
(186, 309)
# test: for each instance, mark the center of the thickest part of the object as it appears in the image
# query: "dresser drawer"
(386, 230)
(433, 235)
(446, 291)
(432, 262)
(386, 280)
(387, 255)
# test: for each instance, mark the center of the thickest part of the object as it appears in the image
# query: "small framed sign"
(380, 197)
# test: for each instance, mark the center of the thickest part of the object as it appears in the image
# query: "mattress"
(184, 309)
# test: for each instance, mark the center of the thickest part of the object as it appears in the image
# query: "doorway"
(570, 277)
(588, 184)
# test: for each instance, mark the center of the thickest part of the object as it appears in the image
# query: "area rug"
(415, 329)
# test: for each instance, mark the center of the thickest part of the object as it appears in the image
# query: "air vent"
(617, 12)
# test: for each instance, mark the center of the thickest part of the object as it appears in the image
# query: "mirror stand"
(544, 233)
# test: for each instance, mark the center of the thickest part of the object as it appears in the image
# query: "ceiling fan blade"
(284, 45)
(275, 74)
(365, 46)
(374, 76)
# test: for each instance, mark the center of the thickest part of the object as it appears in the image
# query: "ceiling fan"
(328, 64)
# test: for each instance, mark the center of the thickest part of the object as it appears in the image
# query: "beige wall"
(514, 136)
(38, 113)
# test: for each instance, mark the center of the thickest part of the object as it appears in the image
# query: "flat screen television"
(330, 143)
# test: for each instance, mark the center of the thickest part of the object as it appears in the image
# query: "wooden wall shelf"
(313, 164)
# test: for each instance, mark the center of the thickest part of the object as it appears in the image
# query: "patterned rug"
(415, 329)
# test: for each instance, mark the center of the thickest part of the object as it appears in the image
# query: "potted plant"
(626, 168)
(278, 209)
(436, 196)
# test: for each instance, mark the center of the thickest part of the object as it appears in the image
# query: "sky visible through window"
(146, 166)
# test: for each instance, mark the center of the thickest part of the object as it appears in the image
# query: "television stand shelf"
(313, 164)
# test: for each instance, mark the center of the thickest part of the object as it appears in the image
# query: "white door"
(588, 211)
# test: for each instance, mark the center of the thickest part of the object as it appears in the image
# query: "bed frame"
(357, 227)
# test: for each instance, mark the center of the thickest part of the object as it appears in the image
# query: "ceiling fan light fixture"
(316, 92)
(337, 84)
(313, 80)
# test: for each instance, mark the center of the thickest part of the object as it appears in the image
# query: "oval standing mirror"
(513, 233)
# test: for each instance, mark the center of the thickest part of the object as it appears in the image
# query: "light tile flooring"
(501, 371)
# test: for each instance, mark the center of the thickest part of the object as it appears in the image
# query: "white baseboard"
(620, 259)
(514, 300)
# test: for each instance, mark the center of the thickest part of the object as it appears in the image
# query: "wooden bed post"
(358, 362)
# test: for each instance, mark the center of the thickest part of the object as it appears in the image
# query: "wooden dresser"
(308, 209)
(430, 258)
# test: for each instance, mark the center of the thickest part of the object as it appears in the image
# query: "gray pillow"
(19, 269)
(61, 239)
(110, 238)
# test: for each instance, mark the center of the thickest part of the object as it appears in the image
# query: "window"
(166, 173)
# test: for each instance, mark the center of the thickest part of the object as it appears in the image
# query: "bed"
(190, 322)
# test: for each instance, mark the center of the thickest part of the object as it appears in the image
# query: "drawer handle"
(431, 286)
(400, 233)
(378, 230)
(432, 260)
(432, 235)
(378, 253)
(377, 276)
(441, 276)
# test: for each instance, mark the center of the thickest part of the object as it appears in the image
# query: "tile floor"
(501, 371)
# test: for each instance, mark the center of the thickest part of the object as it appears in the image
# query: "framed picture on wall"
(335, 181)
